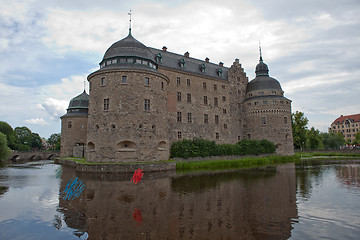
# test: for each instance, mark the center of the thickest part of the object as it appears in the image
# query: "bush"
(5, 151)
(204, 148)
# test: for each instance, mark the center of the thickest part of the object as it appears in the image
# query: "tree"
(6, 129)
(299, 127)
(36, 141)
(332, 140)
(55, 140)
(5, 151)
(24, 138)
(357, 139)
(313, 139)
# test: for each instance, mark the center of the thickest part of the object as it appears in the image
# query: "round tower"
(267, 111)
(128, 102)
(74, 127)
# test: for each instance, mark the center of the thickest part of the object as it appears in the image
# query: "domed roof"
(80, 101)
(262, 81)
(128, 47)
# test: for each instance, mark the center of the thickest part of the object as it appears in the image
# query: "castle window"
(224, 98)
(224, 111)
(261, 93)
(103, 81)
(130, 60)
(178, 81)
(124, 79)
(189, 98)
(147, 81)
(114, 61)
(265, 102)
(216, 119)
(203, 68)
(179, 134)
(216, 103)
(217, 136)
(182, 63)
(162, 85)
(188, 82)
(204, 85)
(108, 62)
(239, 138)
(285, 120)
(263, 120)
(256, 103)
(179, 116)
(274, 102)
(215, 87)
(281, 102)
(189, 117)
(69, 124)
(159, 58)
(273, 92)
(144, 62)
(122, 60)
(205, 100)
(138, 61)
(220, 72)
(178, 96)
(225, 126)
(223, 86)
(147, 105)
(106, 104)
(206, 118)
(250, 95)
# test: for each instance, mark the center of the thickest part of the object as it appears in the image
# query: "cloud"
(39, 121)
(55, 108)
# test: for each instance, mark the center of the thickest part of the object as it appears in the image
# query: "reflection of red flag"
(137, 216)
(138, 174)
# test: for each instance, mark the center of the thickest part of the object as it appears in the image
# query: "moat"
(288, 201)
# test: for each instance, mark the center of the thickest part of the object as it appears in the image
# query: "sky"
(48, 48)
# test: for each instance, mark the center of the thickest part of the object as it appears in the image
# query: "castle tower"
(267, 112)
(128, 101)
(74, 127)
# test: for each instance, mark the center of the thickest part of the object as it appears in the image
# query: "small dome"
(262, 81)
(128, 47)
(80, 101)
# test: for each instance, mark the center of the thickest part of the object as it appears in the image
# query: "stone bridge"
(32, 156)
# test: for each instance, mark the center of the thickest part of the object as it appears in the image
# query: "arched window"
(91, 146)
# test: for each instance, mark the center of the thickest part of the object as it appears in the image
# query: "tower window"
(147, 81)
(182, 63)
(188, 82)
(224, 111)
(179, 117)
(69, 124)
(217, 136)
(189, 98)
(220, 72)
(205, 100)
(189, 117)
(147, 105)
(216, 103)
(106, 104)
(216, 119)
(204, 85)
(206, 118)
(203, 68)
(224, 98)
(215, 87)
(178, 96)
(263, 120)
(178, 81)
(285, 120)
(179, 135)
(103, 81)
(124, 79)
(225, 126)
(162, 85)
(159, 58)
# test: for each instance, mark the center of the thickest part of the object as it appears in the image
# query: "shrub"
(204, 148)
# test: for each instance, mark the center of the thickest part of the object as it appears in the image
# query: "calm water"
(283, 202)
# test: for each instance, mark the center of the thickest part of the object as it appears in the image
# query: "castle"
(143, 99)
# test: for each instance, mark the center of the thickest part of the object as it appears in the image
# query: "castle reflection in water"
(243, 204)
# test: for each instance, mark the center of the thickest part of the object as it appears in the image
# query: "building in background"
(348, 126)
(143, 99)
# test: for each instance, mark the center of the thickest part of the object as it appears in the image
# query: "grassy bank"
(248, 162)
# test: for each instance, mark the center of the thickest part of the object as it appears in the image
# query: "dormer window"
(203, 68)
(182, 63)
(220, 72)
(158, 58)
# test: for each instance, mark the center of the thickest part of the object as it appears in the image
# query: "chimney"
(164, 48)
(221, 64)
(237, 60)
(207, 59)
(187, 54)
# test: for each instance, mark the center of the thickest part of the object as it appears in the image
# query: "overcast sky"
(48, 48)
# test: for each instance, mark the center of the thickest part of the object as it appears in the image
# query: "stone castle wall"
(73, 134)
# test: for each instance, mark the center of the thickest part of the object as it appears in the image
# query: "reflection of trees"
(307, 174)
(3, 189)
(199, 183)
(349, 175)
